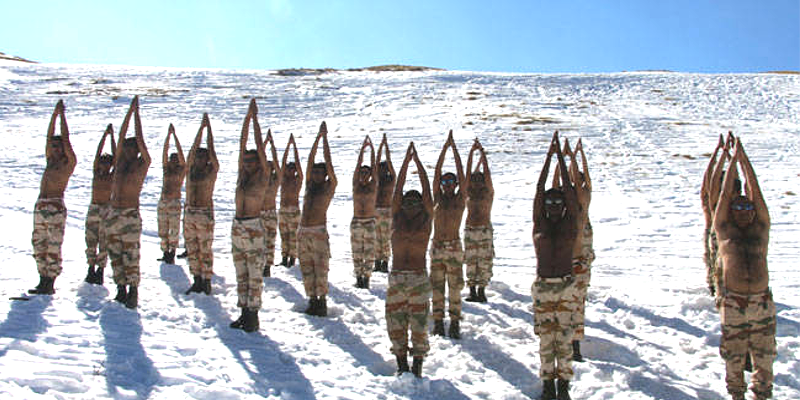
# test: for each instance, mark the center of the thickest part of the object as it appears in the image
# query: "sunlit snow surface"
(652, 330)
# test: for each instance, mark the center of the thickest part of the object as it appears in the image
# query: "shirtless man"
(556, 226)
(447, 255)
(383, 207)
(583, 252)
(198, 215)
(169, 205)
(478, 232)
(95, 235)
(312, 237)
(269, 214)
(248, 239)
(362, 227)
(747, 310)
(50, 214)
(409, 291)
(289, 214)
(124, 224)
(709, 195)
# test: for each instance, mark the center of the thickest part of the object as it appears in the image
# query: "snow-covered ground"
(652, 331)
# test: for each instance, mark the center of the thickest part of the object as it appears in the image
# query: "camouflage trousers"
(49, 218)
(362, 244)
(315, 253)
(383, 233)
(582, 272)
(198, 236)
(555, 303)
(269, 219)
(247, 249)
(169, 223)
(288, 223)
(95, 235)
(407, 306)
(748, 325)
(124, 230)
(710, 256)
(479, 254)
(446, 268)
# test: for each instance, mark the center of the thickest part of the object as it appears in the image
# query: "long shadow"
(786, 327)
(276, 373)
(657, 320)
(412, 388)
(654, 388)
(24, 320)
(127, 365)
(493, 357)
(604, 326)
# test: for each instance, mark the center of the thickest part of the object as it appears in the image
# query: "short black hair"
(554, 192)
(320, 165)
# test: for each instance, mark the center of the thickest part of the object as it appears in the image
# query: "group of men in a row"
(736, 239)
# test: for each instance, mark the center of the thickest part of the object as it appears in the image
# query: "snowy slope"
(652, 331)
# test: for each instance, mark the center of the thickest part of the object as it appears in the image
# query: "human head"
(364, 172)
(743, 211)
(251, 163)
(105, 162)
(554, 205)
(448, 182)
(385, 174)
(56, 146)
(173, 158)
(411, 203)
(318, 173)
(130, 148)
(201, 156)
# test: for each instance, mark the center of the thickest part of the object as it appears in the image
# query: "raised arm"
(752, 187)
(360, 160)
(538, 199)
(437, 173)
(165, 151)
(397, 197)
(68, 151)
(244, 136)
(109, 132)
(459, 166)
(212, 153)
(584, 163)
(715, 182)
(427, 200)
(312, 155)
(373, 167)
(277, 168)
(124, 130)
(487, 175)
(51, 129)
(326, 151)
(570, 193)
(260, 145)
(137, 127)
(297, 161)
(567, 151)
(385, 145)
(178, 148)
(472, 150)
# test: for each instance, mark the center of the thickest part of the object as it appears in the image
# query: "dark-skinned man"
(94, 233)
(383, 207)
(169, 205)
(362, 226)
(289, 213)
(478, 232)
(269, 215)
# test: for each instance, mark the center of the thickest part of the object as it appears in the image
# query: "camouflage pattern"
(269, 219)
(247, 248)
(315, 254)
(169, 223)
(712, 247)
(447, 258)
(748, 325)
(383, 233)
(581, 270)
(288, 223)
(49, 217)
(479, 254)
(95, 235)
(362, 244)
(555, 304)
(198, 236)
(123, 230)
(408, 306)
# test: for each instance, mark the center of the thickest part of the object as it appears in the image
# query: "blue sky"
(508, 36)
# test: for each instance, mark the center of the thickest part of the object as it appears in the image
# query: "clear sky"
(508, 36)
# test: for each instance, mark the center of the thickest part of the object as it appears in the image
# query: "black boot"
(322, 307)
(184, 254)
(163, 257)
(122, 294)
(132, 301)
(98, 275)
(291, 262)
(197, 286)
(169, 257)
(482, 294)
(454, 330)
(563, 390)
(548, 390)
(39, 286)
(206, 286)
(284, 261)
(90, 276)
(748, 363)
(250, 320)
(312, 306)
(239, 322)
(438, 327)
(266, 273)
(359, 283)
(416, 367)
(377, 268)
(473, 295)
(402, 364)
(385, 267)
(576, 351)
(365, 282)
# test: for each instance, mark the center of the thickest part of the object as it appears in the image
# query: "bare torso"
(315, 204)
(290, 191)
(447, 217)
(479, 207)
(173, 182)
(743, 254)
(55, 178)
(271, 191)
(101, 187)
(364, 200)
(554, 243)
(250, 193)
(385, 192)
(127, 184)
(200, 186)
(410, 243)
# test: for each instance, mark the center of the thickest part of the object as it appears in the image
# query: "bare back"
(410, 242)
(316, 201)
(364, 199)
(479, 207)
(173, 181)
(101, 186)
(290, 189)
(250, 193)
(55, 178)
(200, 185)
(743, 253)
